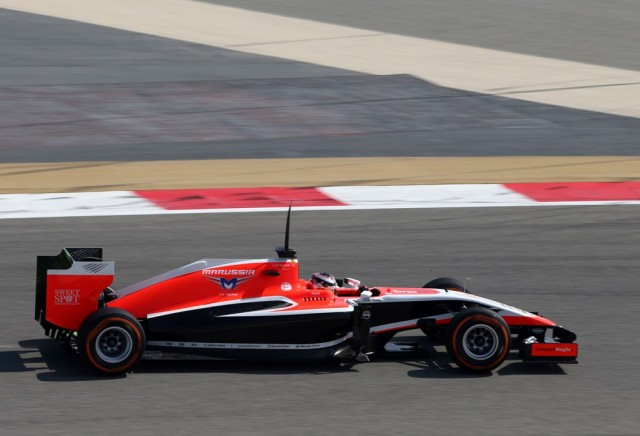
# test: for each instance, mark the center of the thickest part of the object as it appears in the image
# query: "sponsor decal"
(228, 272)
(366, 314)
(230, 283)
(284, 266)
(569, 350)
(237, 277)
(286, 286)
(66, 297)
(403, 291)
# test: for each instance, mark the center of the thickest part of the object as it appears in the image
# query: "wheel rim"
(114, 344)
(480, 342)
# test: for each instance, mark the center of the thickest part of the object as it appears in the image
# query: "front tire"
(479, 339)
(111, 340)
(447, 283)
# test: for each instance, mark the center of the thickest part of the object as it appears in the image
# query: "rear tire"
(479, 339)
(111, 340)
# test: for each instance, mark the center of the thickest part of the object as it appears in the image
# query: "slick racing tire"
(447, 283)
(479, 339)
(111, 340)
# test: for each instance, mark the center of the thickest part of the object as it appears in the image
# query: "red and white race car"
(261, 308)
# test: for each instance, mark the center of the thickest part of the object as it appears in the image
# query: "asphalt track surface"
(589, 31)
(78, 92)
(576, 265)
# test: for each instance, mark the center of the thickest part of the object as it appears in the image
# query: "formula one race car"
(260, 308)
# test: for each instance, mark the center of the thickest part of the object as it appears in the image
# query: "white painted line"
(142, 212)
(532, 78)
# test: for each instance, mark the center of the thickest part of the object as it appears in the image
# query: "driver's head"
(323, 280)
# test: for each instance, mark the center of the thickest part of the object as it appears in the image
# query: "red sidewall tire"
(111, 340)
(479, 339)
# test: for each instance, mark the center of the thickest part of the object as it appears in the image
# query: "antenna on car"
(286, 252)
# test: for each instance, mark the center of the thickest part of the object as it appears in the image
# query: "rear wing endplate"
(68, 286)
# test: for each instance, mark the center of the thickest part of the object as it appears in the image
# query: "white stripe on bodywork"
(276, 311)
(227, 303)
(408, 323)
(385, 299)
(240, 346)
(394, 325)
(444, 295)
(286, 311)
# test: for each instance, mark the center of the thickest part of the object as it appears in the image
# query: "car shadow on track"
(429, 360)
(51, 360)
(443, 368)
(268, 367)
(437, 364)
(529, 368)
(54, 362)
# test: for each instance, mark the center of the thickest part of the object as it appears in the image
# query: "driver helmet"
(323, 280)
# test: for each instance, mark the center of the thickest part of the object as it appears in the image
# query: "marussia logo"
(228, 272)
(232, 282)
(229, 283)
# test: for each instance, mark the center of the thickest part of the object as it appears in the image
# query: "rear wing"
(68, 287)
